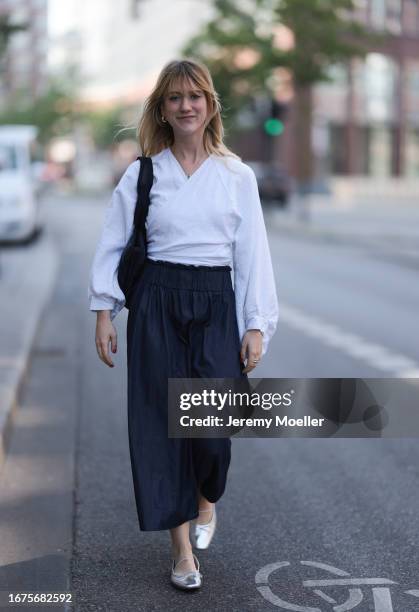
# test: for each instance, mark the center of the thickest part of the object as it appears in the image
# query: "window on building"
(394, 16)
(386, 15)
(362, 140)
(338, 153)
(19, 14)
(412, 92)
(361, 10)
(381, 75)
(380, 150)
(378, 14)
(411, 165)
(411, 17)
(19, 42)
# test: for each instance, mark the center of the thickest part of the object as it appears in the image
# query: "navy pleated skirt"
(181, 324)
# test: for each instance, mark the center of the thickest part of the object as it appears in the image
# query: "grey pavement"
(388, 225)
(38, 482)
(27, 275)
(345, 311)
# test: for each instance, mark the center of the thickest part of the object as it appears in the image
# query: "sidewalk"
(27, 275)
(389, 226)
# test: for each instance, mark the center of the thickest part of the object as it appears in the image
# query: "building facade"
(366, 121)
(24, 67)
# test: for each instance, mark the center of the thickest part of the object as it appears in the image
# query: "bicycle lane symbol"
(380, 589)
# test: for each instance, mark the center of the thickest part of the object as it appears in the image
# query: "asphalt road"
(319, 509)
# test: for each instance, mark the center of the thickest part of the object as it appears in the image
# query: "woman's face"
(185, 108)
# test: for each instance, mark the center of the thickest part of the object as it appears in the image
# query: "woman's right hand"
(105, 333)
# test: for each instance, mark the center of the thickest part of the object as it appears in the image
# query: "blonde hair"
(154, 135)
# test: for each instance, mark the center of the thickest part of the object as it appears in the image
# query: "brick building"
(366, 121)
(372, 125)
(25, 65)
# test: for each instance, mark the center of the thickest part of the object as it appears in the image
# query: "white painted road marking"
(381, 594)
(375, 355)
(346, 581)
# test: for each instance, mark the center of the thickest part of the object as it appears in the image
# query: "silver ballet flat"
(203, 533)
(189, 580)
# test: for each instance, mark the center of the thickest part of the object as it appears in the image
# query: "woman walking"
(185, 320)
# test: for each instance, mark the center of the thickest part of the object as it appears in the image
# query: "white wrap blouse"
(212, 218)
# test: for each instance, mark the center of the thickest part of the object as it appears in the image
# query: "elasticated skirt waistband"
(187, 276)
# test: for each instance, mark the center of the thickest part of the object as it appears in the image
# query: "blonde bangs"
(154, 135)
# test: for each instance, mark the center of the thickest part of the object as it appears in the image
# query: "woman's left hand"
(251, 349)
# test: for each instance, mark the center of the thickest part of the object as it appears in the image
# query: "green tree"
(53, 112)
(324, 34)
(236, 28)
(106, 126)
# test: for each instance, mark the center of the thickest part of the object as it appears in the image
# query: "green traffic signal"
(273, 127)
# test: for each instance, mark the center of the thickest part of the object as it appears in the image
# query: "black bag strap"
(144, 183)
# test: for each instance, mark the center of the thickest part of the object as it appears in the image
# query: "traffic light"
(274, 124)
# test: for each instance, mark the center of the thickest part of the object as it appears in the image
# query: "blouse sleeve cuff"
(256, 322)
(101, 304)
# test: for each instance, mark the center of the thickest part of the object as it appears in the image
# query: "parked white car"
(19, 206)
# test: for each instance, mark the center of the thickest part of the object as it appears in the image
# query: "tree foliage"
(106, 125)
(53, 112)
(324, 34)
(234, 30)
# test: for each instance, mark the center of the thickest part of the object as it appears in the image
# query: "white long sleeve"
(104, 292)
(213, 218)
(254, 282)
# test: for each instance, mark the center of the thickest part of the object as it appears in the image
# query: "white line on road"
(375, 355)
(346, 581)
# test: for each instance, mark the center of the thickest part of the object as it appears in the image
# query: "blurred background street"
(337, 163)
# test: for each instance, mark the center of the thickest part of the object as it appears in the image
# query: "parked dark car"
(273, 182)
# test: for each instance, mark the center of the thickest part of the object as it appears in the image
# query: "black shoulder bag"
(134, 254)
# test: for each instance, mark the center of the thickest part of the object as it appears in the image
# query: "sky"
(61, 16)
(116, 53)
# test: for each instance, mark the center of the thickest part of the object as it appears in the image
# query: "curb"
(27, 276)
